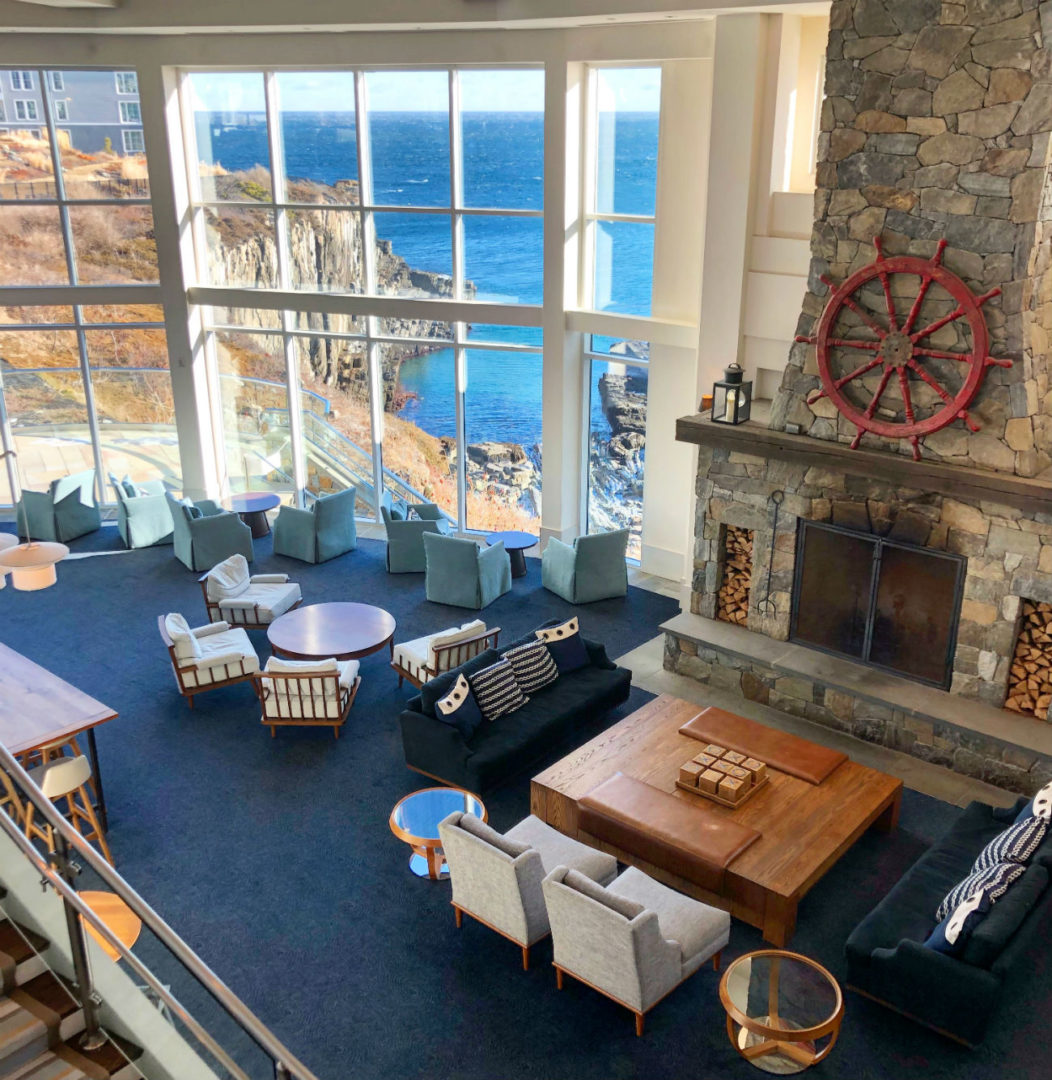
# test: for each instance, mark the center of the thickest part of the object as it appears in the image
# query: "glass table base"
(773, 1055)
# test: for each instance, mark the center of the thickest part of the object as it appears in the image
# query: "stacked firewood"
(732, 600)
(1030, 677)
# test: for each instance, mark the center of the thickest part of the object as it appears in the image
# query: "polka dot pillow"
(459, 708)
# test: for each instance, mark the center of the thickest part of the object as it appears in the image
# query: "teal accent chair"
(143, 517)
(320, 533)
(205, 534)
(592, 568)
(462, 574)
(68, 509)
(405, 536)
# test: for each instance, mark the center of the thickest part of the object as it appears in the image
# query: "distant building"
(92, 106)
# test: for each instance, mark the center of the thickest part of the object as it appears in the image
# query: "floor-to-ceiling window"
(84, 385)
(399, 185)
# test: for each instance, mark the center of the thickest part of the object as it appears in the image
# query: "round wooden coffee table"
(779, 1005)
(515, 543)
(341, 630)
(415, 820)
(252, 507)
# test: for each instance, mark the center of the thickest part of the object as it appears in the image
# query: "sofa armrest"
(209, 507)
(269, 579)
(209, 628)
(223, 659)
(597, 655)
(432, 746)
(558, 566)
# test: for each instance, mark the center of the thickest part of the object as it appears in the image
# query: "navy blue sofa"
(956, 995)
(499, 749)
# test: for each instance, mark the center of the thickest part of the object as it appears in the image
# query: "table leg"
(779, 920)
(518, 563)
(258, 522)
(93, 754)
(889, 819)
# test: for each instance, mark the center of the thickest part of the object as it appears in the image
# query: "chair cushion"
(478, 828)
(451, 637)
(307, 699)
(557, 849)
(496, 690)
(129, 487)
(186, 645)
(696, 926)
(565, 644)
(951, 935)
(1015, 845)
(459, 708)
(412, 655)
(228, 578)
(533, 666)
(271, 600)
(190, 510)
(218, 652)
(629, 909)
(993, 880)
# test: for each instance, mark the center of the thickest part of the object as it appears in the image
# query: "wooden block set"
(723, 775)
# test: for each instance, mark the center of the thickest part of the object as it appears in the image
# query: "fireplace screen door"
(886, 603)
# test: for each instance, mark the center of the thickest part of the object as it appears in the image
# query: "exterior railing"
(58, 871)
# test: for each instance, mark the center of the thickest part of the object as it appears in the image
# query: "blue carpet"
(274, 860)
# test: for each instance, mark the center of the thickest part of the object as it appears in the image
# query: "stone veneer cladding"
(936, 124)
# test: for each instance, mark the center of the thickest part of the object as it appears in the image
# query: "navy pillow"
(459, 708)
(1015, 845)
(951, 935)
(441, 684)
(1039, 806)
(565, 644)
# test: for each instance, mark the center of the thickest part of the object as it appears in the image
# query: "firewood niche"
(732, 599)
(1030, 676)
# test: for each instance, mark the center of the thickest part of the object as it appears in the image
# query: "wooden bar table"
(37, 708)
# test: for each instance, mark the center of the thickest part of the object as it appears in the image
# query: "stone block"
(1005, 162)
(1036, 111)
(978, 612)
(959, 515)
(947, 202)
(957, 93)
(694, 668)
(1002, 540)
(1026, 195)
(1007, 84)
(989, 122)
(987, 666)
(843, 142)
(864, 168)
(1019, 758)
(753, 688)
(793, 686)
(962, 543)
(888, 61)
(969, 763)
(725, 678)
(998, 54)
(937, 47)
(841, 705)
(911, 103)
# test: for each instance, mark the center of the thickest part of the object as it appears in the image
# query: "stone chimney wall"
(936, 124)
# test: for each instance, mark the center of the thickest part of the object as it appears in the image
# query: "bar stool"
(64, 778)
(10, 801)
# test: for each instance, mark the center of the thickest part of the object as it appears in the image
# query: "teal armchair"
(205, 534)
(592, 568)
(68, 509)
(462, 574)
(143, 517)
(321, 532)
(405, 536)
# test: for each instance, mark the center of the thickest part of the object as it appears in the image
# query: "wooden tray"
(725, 802)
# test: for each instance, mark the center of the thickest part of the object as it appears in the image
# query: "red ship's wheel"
(903, 388)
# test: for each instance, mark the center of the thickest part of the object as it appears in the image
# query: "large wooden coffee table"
(341, 630)
(804, 827)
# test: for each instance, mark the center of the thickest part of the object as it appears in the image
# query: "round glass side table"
(415, 820)
(780, 1006)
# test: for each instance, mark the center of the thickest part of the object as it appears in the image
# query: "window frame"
(134, 75)
(27, 107)
(21, 80)
(56, 81)
(61, 106)
(133, 133)
(126, 108)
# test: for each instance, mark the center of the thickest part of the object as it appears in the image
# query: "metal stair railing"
(57, 870)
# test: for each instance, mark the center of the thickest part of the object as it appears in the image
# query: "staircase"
(40, 1021)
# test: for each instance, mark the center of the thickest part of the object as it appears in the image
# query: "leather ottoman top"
(782, 751)
(664, 829)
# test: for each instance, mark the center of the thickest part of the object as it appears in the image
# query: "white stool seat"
(61, 776)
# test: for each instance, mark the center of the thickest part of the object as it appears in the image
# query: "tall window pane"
(502, 415)
(230, 122)
(241, 249)
(31, 242)
(325, 250)
(624, 267)
(502, 125)
(319, 136)
(617, 442)
(26, 168)
(414, 255)
(409, 137)
(420, 433)
(114, 245)
(628, 103)
(254, 396)
(504, 258)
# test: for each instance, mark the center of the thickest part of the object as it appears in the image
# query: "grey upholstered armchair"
(462, 574)
(592, 568)
(68, 509)
(634, 940)
(497, 879)
(405, 534)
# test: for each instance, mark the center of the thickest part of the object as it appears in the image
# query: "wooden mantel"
(1033, 496)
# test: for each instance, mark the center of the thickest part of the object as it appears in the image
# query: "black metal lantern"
(731, 397)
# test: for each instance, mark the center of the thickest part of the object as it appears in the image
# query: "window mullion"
(587, 205)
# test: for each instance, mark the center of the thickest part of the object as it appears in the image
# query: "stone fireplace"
(936, 127)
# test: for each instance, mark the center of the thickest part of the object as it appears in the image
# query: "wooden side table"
(779, 1006)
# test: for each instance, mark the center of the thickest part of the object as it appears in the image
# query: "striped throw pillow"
(994, 881)
(496, 690)
(1015, 845)
(533, 666)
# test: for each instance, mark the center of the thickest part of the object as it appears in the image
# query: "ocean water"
(503, 169)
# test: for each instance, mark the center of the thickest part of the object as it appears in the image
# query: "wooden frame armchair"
(310, 693)
(218, 655)
(253, 601)
(423, 658)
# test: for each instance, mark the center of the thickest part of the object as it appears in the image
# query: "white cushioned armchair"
(253, 601)
(497, 879)
(424, 657)
(635, 940)
(307, 693)
(206, 657)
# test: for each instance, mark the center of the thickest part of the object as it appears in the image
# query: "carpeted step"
(37, 1016)
(47, 1066)
(19, 961)
(24, 1036)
